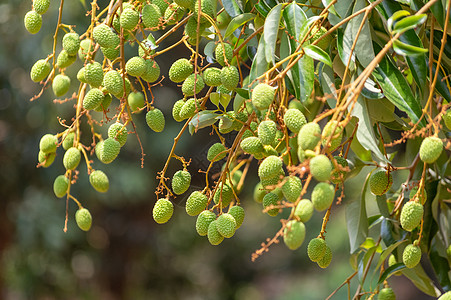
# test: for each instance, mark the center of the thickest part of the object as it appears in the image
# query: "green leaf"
(317, 53)
(214, 98)
(237, 22)
(238, 102)
(270, 31)
(396, 89)
(243, 93)
(409, 23)
(224, 99)
(441, 86)
(439, 12)
(209, 49)
(364, 262)
(232, 8)
(420, 279)
(259, 64)
(390, 271)
(387, 253)
(202, 119)
(407, 50)
(356, 220)
(382, 205)
(396, 16)
(327, 79)
(441, 267)
(332, 8)
(387, 231)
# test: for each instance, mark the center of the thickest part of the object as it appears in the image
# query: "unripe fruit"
(216, 152)
(48, 143)
(430, 149)
(316, 249)
(60, 85)
(71, 158)
(176, 110)
(252, 145)
(380, 182)
(84, 219)
(173, 13)
(151, 15)
(294, 119)
(155, 120)
(447, 118)
(114, 83)
(196, 203)
(110, 53)
(259, 192)
(41, 6)
(152, 72)
(230, 77)
(188, 109)
(181, 181)
(40, 70)
(188, 86)
(411, 256)
(214, 237)
(46, 159)
(445, 296)
(338, 175)
(185, 3)
(226, 225)
(271, 199)
(191, 29)
(86, 46)
(224, 192)
(323, 196)
(267, 132)
(180, 70)
(223, 53)
(162, 4)
(292, 188)
(262, 96)
(212, 76)
(294, 234)
(93, 99)
(304, 210)
(108, 150)
(309, 136)
(129, 19)
(325, 42)
(270, 167)
(203, 222)
(269, 184)
(411, 215)
(64, 60)
(324, 262)
(386, 294)
(33, 22)
(60, 186)
(238, 213)
(81, 75)
(136, 101)
(136, 66)
(94, 74)
(104, 36)
(118, 132)
(162, 210)
(320, 167)
(421, 196)
(105, 103)
(71, 43)
(99, 181)
(337, 135)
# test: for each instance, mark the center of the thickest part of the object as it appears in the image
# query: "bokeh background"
(126, 255)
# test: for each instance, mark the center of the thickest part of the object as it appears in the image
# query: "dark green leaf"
(407, 50)
(317, 53)
(270, 32)
(356, 220)
(243, 93)
(441, 267)
(238, 102)
(387, 252)
(237, 22)
(382, 205)
(439, 12)
(327, 79)
(331, 8)
(202, 119)
(441, 86)
(259, 64)
(364, 262)
(389, 271)
(232, 8)
(387, 232)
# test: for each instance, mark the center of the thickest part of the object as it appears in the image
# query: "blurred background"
(126, 255)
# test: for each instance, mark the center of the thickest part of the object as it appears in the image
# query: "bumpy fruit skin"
(48, 143)
(304, 210)
(216, 152)
(60, 85)
(230, 77)
(173, 13)
(203, 222)
(267, 132)
(212, 76)
(33, 22)
(185, 3)
(104, 36)
(71, 158)
(176, 110)
(263, 95)
(271, 199)
(113, 83)
(430, 149)
(71, 43)
(188, 109)
(208, 7)
(411, 256)
(238, 213)
(214, 237)
(94, 74)
(136, 101)
(99, 181)
(386, 294)
(180, 70)
(64, 60)
(60, 186)
(118, 132)
(155, 120)
(135, 66)
(411, 215)
(270, 167)
(337, 135)
(93, 99)
(129, 19)
(222, 50)
(294, 234)
(188, 86)
(380, 183)
(110, 53)
(105, 103)
(323, 196)
(445, 296)
(108, 150)
(324, 262)
(226, 225)
(259, 192)
(84, 219)
(162, 210)
(181, 181)
(320, 167)
(316, 249)
(151, 15)
(336, 175)
(40, 70)
(252, 145)
(196, 203)
(152, 72)
(294, 119)
(41, 6)
(325, 42)
(47, 159)
(86, 46)
(309, 136)
(292, 188)
(447, 120)
(224, 192)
